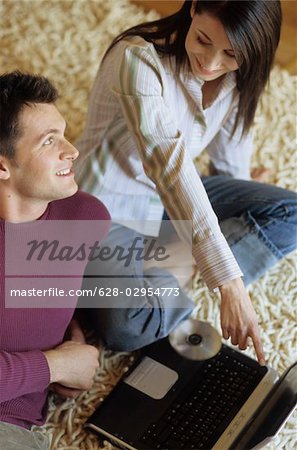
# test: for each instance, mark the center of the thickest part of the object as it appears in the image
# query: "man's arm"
(70, 364)
(22, 373)
(73, 364)
(76, 334)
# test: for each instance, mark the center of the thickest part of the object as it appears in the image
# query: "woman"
(166, 91)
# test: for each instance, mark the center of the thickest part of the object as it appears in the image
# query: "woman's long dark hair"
(253, 28)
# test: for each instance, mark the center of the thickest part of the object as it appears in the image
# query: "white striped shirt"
(145, 126)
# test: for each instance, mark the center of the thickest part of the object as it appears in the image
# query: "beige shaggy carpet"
(65, 41)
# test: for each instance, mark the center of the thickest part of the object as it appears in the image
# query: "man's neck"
(17, 212)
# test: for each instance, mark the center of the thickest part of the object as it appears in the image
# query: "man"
(37, 186)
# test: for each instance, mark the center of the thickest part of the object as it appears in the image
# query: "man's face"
(41, 169)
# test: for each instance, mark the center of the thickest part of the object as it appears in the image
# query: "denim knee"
(124, 329)
(281, 225)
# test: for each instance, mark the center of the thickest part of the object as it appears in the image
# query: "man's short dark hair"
(17, 90)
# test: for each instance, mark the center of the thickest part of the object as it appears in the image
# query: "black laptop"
(166, 401)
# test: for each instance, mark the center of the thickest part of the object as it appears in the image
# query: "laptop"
(167, 401)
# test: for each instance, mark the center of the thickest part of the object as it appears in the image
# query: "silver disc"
(195, 340)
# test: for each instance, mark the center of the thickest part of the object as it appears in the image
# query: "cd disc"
(195, 340)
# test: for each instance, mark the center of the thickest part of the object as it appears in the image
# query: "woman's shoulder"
(131, 61)
(131, 48)
(134, 42)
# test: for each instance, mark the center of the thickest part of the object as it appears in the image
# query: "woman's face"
(208, 48)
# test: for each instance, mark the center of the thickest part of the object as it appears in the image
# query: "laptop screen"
(272, 413)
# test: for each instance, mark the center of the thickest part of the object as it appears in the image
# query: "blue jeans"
(128, 322)
(259, 222)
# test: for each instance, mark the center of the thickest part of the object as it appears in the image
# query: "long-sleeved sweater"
(25, 333)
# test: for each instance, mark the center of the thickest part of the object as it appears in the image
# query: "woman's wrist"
(231, 285)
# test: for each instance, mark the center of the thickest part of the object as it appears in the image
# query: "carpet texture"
(65, 41)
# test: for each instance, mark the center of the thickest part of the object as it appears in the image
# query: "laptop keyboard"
(196, 419)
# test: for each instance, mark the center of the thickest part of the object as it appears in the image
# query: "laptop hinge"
(247, 411)
(110, 437)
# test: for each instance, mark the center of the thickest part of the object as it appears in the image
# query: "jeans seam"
(230, 202)
(159, 299)
(259, 231)
(161, 309)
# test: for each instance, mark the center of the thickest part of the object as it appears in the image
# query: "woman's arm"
(139, 85)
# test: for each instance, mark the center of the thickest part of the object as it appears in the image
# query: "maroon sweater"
(26, 333)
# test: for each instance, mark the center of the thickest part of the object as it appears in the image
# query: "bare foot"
(261, 174)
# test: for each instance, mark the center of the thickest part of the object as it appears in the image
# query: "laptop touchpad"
(152, 378)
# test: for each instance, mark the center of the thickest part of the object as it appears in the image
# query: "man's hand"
(65, 392)
(73, 333)
(238, 317)
(73, 365)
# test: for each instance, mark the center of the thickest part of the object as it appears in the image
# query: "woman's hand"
(238, 317)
